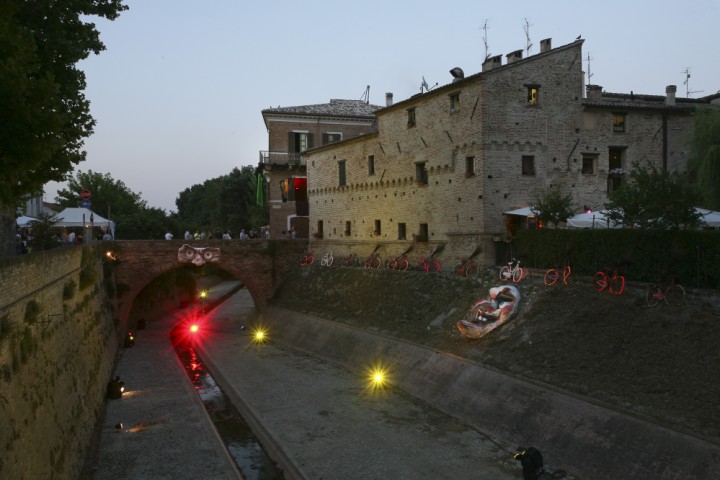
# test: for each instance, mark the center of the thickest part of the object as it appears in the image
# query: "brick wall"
(54, 364)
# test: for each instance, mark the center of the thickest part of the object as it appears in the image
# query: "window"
(469, 166)
(411, 117)
(341, 173)
(320, 229)
(454, 102)
(371, 165)
(421, 175)
(331, 137)
(618, 122)
(615, 168)
(402, 234)
(299, 141)
(533, 94)
(528, 165)
(378, 228)
(348, 228)
(423, 233)
(588, 164)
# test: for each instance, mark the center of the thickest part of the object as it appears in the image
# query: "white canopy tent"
(710, 218)
(24, 221)
(591, 220)
(83, 217)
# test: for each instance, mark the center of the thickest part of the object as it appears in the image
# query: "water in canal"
(250, 457)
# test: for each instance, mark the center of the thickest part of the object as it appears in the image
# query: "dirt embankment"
(661, 362)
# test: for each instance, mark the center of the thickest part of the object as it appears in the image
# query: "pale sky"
(177, 94)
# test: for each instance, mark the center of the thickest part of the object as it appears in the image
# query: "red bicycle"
(554, 274)
(428, 265)
(609, 279)
(307, 260)
(466, 268)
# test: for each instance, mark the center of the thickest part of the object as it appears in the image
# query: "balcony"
(282, 158)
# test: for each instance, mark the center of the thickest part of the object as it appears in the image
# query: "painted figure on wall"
(490, 313)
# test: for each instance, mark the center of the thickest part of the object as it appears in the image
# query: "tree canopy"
(653, 198)
(705, 157)
(46, 116)
(553, 207)
(225, 203)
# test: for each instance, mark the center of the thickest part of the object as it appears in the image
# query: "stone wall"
(57, 349)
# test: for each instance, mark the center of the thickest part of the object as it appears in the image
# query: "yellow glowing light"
(110, 255)
(377, 378)
(203, 294)
(260, 335)
(194, 328)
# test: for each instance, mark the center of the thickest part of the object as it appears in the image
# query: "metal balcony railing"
(281, 158)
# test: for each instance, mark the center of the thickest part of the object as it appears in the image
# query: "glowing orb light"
(260, 335)
(194, 328)
(377, 378)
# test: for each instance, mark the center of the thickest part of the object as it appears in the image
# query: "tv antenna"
(687, 83)
(424, 85)
(485, 40)
(366, 95)
(527, 37)
(588, 63)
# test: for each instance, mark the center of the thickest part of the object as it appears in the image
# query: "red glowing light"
(194, 328)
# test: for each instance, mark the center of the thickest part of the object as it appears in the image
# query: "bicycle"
(400, 263)
(553, 275)
(350, 260)
(307, 260)
(609, 279)
(673, 295)
(512, 271)
(466, 268)
(327, 260)
(428, 265)
(373, 261)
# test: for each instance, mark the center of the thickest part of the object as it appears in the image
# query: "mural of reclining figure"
(490, 313)
(198, 256)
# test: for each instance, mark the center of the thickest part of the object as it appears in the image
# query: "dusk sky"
(177, 94)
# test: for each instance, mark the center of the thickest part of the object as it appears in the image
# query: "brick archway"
(261, 265)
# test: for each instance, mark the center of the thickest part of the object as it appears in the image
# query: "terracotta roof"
(336, 108)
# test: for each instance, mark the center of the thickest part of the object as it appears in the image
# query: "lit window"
(618, 122)
(411, 117)
(528, 165)
(533, 94)
(454, 102)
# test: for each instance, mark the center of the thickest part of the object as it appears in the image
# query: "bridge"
(261, 265)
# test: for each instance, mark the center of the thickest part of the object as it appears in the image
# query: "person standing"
(168, 236)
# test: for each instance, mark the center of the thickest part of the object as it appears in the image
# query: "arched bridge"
(261, 265)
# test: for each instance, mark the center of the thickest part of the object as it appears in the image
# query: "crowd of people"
(264, 232)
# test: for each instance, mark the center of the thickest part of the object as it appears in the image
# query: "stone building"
(292, 131)
(444, 166)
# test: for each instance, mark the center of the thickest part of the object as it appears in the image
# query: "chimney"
(594, 92)
(388, 99)
(492, 62)
(670, 95)
(514, 56)
(545, 45)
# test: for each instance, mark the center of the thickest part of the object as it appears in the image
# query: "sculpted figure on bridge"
(198, 256)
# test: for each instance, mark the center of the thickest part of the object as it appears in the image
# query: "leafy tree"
(45, 113)
(654, 199)
(705, 158)
(44, 233)
(553, 207)
(226, 203)
(132, 217)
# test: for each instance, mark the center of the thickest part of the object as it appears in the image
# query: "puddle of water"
(244, 448)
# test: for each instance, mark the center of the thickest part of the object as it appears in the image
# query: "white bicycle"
(512, 271)
(327, 260)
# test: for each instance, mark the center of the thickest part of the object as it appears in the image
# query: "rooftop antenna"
(527, 36)
(588, 63)
(366, 95)
(485, 40)
(687, 83)
(424, 85)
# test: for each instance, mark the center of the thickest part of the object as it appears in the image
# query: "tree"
(226, 203)
(46, 116)
(132, 217)
(705, 157)
(654, 199)
(553, 207)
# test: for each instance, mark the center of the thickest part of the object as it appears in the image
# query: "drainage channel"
(245, 449)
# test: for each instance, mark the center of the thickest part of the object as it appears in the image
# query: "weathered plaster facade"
(445, 165)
